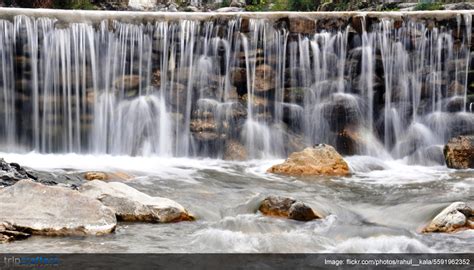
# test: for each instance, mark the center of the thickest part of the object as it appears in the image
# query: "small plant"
(257, 5)
(429, 6)
(225, 3)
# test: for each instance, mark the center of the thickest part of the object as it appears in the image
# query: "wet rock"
(348, 142)
(9, 233)
(10, 173)
(53, 210)
(341, 111)
(95, 176)
(257, 102)
(239, 76)
(459, 152)
(277, 206)
(156, 81)
(294, 94)
(318, 160)
(455, 88)
(130, 204)
(264, 78)
(234, 150)
(302, 25)
(106, 176)
(455, 217)
(128, 82)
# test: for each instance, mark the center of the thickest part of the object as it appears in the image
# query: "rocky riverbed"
(383, 206)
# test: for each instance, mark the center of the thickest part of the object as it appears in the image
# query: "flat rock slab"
(457, 216)
(51, 210)
(277, 206)
(130, 204)
(321, 159)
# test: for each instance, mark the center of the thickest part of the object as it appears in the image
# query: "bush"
(429, 6)
(302, 5)
(257, 5)
(74, 4)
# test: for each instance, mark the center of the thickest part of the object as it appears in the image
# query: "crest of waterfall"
(188, 87)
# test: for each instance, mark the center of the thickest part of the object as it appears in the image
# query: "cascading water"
(192, 88)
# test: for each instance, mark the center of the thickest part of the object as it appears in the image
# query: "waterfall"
(192, 87)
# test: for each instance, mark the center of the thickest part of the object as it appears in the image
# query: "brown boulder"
(459, 152)
(276, 206)
(318, 160)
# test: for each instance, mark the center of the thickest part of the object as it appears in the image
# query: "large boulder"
(130, 204)
(51, 210)
(290, 208)
(459, 152)
(455, 217)
(321, 159)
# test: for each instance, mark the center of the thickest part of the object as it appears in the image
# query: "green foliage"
(74, 4)
(257, 5)
(302, 5)
(225, 3)
(429, 6)
(388, 7)
(279, 5)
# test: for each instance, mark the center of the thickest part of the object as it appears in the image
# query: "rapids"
(380, 208)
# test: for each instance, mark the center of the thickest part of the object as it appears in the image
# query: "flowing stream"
(371, 211)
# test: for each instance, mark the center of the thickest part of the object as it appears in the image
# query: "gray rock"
(454, 217)
(229, 9)
(130, 204)
(39, 209)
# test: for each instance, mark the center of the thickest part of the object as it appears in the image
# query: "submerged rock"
(39, 209)
(455, 217)
(130, 204)
(318, 160)
(459, 152)
(277, 206)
